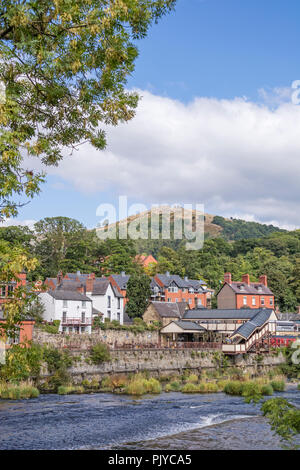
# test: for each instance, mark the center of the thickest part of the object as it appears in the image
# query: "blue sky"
(214, 49)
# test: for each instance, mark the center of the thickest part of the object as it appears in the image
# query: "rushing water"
(166, 421)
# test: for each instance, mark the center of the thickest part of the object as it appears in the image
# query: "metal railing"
(76, 321)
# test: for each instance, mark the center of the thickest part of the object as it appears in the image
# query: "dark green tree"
(138, 293)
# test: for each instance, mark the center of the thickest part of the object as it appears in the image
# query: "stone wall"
(113, 338)
(160, 362)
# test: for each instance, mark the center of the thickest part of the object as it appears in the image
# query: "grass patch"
(139, 385)
(69, 389)
(278, 385)
(18, 392)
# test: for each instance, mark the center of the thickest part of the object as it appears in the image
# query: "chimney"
(167, 273)
(227, 278)
(186, 278)
(277, 309)
(80, 289)
(263, 280)
(123, 273)
(59, 277)
(90, 283)
(246, 279)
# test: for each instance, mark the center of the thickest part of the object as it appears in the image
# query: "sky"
(216, 124)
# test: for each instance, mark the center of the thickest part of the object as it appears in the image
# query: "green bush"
(193, 378)
(278, 385)
(190, 388)
(267, 389)
(100, 353)
(69, 389)
(233, 388)
(18, 392)
(139, 385)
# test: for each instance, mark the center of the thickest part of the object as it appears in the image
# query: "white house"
(71, 308)
(106, 298)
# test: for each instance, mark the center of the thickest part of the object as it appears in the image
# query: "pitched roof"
(288, 316)
(62, 294)
(100, 286)
(121, 280)
(217, 313)
(168, 279)
(250, 326)
(254, 288)
(169, 309)
(189, 325)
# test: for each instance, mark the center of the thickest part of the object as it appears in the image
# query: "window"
(176, 300)
(173, 289)
(10, 290)
(109, 301)
(169, 300)
(119, 302)
(262, 300)
(83, 329)
(3, 291)
(64, 318)
(83, 304)
(118, 316)
(190, 301)
(253, 301)
(64, 329)
(271, 300)
(244, 300)
(65, 303)
(109, 314)
(82, 317)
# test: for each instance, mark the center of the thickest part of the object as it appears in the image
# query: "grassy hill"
(214, 227)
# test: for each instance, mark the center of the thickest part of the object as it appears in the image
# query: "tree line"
(61, 243)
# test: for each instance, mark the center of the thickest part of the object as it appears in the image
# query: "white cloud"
(8, 222)
(235, 156)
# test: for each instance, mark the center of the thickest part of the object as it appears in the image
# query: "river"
(107, 421)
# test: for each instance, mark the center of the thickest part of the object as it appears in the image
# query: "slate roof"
(189, 325)
(121, 280)
(168, 279)
(250, 326)
(62, 294)
(169, 309)
(223, 314)
(252, 288)
(288, 316)
(95, 311)
(100, 286)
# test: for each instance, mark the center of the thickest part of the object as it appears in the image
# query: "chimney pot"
(168, 273)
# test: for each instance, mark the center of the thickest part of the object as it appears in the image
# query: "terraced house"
(172, 288)
(245, 294)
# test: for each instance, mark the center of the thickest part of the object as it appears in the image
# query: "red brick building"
(244, 293)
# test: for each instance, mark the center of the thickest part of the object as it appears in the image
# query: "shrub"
(175, 386)
(100, 353)
(69, 389)
(233, 388)
(211, 387)
(267, 389)
(278, 385)
(17, 392)
(193, 378)
(138, 385)
(190, 388)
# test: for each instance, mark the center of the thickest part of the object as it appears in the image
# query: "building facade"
(245, 294)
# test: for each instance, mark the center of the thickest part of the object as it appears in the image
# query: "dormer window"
(241, 287)
(259, 288)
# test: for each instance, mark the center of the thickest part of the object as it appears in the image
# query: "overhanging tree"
(64, 65)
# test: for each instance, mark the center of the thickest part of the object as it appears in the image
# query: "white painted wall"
(54, 311)
(100, 302)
